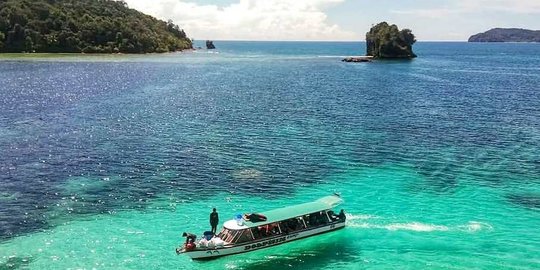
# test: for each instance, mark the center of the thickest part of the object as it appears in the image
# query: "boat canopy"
(285, 213)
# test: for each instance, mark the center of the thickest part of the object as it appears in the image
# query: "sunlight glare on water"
(106, 160)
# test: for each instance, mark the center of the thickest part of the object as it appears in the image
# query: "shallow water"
(106, 160)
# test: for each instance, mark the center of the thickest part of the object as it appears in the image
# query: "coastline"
(45, 56)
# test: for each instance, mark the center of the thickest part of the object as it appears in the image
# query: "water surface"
(106, 160)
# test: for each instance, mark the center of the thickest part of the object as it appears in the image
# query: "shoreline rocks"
(358, 59)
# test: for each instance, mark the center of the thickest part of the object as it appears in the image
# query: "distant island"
(386, 41)
(507, 35)
(210, 45)
(88, 26)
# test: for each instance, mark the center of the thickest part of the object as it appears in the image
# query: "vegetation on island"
(507, 35)
(388, 42)
(89, 26)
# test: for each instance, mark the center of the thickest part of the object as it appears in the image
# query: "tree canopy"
(387, 41)
(89, 26)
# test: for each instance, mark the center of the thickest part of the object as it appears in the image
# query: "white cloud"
(474, 6)
(459, 19)
(250, 19)
(427, 13)
(509, 6)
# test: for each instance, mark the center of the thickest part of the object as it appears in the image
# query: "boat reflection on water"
(313, 253)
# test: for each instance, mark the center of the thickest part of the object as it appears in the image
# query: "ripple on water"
(182, 128)
(5, 196)
(247, 174)
(14, 262)
(529, 201)
(327, 251)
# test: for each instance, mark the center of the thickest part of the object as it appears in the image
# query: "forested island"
(386, 41)
(507, 35)
(88, 26)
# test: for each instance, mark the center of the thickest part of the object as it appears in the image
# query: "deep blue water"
(97, 135)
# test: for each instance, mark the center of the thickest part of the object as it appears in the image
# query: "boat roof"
(288, 212)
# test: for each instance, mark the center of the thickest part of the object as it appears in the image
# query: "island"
(84, 26)
(507, 35)
(210, 45)
(386, 41)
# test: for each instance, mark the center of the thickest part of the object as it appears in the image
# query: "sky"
(339, 20)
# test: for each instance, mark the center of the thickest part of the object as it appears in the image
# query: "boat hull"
(211, 253)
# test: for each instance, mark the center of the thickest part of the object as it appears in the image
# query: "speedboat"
(250, 232)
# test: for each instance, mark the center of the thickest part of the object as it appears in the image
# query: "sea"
(105, 160)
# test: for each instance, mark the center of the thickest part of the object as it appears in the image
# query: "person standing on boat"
(342, 215)
(214, 220)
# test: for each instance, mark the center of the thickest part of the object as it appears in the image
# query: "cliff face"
(387, 41)
(507, 35)
(90, 26)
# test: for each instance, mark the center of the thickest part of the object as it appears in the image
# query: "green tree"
(89, 26)
(15, 39)
(2, 37)
(386, 41)
(28, 44)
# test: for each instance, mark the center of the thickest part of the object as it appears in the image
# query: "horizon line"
(301, 40)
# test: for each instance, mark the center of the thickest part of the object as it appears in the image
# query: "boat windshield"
(244, 236)
(227, 235)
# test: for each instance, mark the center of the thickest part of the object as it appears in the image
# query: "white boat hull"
(210, 253)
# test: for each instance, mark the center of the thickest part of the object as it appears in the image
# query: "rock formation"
(210, 45)
(386, 41)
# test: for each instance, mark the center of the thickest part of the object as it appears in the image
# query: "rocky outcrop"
(507, 35)
(210, 45)
(386, 41)
(358, 59)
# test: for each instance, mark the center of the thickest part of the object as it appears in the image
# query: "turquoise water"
(106, 160)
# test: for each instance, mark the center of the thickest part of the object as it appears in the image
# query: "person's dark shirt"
(214, 218)
(342, 215)
(189, 236)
